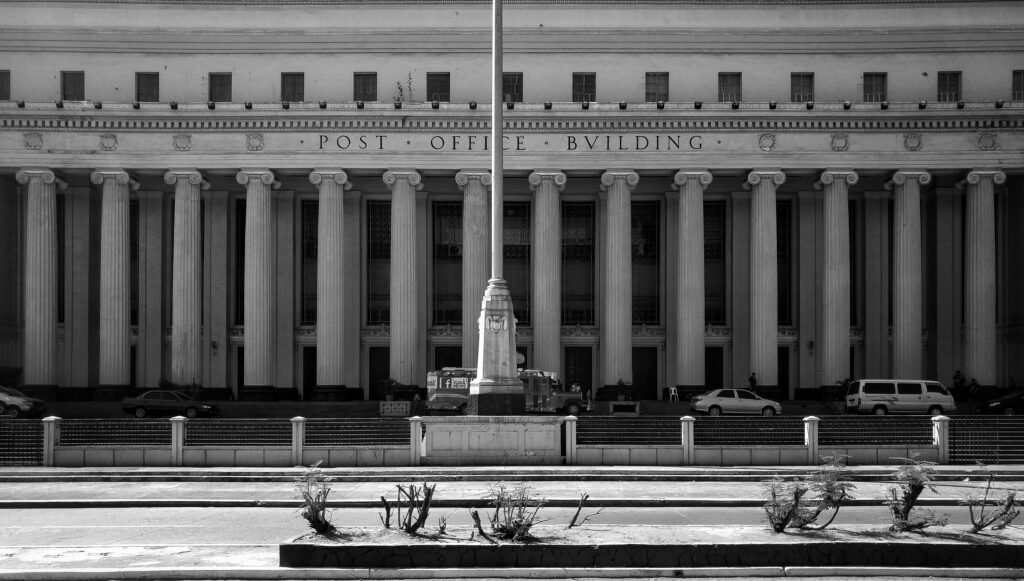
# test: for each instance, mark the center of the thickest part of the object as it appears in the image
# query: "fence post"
(51, 435)
(686, 422)
(811, 439)
(940, 437)
(177, 439)
(298, 439)
(415, 439)
(570, 440)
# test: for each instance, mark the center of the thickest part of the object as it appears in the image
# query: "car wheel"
(14, 411)
(935, 410)
(140, 412)
(880, 410)
(464, 409)
(191, 412)
(573, 409)
(1009, 412)
(714, 411)
(768, 411)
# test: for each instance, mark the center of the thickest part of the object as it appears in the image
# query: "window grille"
(578, 263)
(439, 86)
(220, 87)
(516, 252)
(133, 252)
(646, 243)
(714, 263)
(584, 87)
(72, 85)
(5, 85)
(310, 240)
(949, 86)
(655, 87)
(293, 87)
(875, 87)
(1018, 85)
(730, 87)
(364, 87)
(784, 223)
(447, 263)
(379, 263)
(239, 279)
(512, 87)
(147, 87)
(801, 87)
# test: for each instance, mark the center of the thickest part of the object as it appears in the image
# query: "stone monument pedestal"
(497, 389)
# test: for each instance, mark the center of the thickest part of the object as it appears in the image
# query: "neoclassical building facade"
(206, 193)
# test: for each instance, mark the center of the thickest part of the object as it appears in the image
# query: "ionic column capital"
(900, 177)
(610, 177)
(392, 176)
(776, 176)
(682, 176)
(337, 175)
(43, 174)
(465, 176)
(977, 175)
(538, 177)
(829, 176)
(117, 175)
(191, 176)
(263, 176)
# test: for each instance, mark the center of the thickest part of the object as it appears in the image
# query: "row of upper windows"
(584, 87)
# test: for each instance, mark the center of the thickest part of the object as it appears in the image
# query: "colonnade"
(546, 184)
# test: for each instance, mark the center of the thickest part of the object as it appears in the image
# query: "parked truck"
(448, 389)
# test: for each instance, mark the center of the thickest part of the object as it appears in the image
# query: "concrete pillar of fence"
(51, 435)
(177, 439)
(811, 439)
(415, 440)
(298, 439)
(570, 440)
(940, 437)
(687, 439)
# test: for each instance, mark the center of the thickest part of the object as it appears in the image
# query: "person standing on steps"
(752, 380)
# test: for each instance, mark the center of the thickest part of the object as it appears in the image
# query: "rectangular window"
(239, 279)
(949, 86)
(364, 87)
(1018, 85)
(293, 87)
(584, 87)
(310, 227)
(784, 223)
(379, 262)
(5, 85)
(147, 87)
(516, 234)
(220, 87)
(439, 86)
(646, 242)
(72, 85)
(512, 87)
(578, 267)
(875, 87)
(714, 263)
(801, 87)
(448, 263)
(655, 87)
(730, 87)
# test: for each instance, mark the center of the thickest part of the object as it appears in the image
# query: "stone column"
(115, 297)
(834, 343)
(330, 304)
(186, 277)
(906, 284)
(689, 297)
(40, 366)
(476, 255)
(980, 277)
(764, 277)
(404, 183)
(617, 277)
(258, 381)
(547, 269)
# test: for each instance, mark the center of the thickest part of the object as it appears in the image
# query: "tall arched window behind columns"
(646, 244)
(310, 216)
(447, 267)
(379, 262)
(714, 262)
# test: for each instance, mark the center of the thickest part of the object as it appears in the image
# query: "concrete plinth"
(497, 404)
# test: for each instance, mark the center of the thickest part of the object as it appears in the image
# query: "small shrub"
(515, 512)
(911, 480)
(314, 488)
(799, 504)
(417, 500)
(1001, 516)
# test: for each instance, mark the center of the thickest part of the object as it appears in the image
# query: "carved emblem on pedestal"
(496, 323)
(987, 141)
(912, 141)
(766, 142)
(182, 142)
(254, 141)
(33, 140)
(840, 142)
(108, 142)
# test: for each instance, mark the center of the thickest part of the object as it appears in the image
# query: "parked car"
(158, 402)
(1010, 404)
(733, 401)
(15, 404)
(898, 396)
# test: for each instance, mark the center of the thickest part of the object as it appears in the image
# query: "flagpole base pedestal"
(497, 404)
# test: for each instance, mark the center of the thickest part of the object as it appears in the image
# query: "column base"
(111, 392)
(497, 404)
(44, 392)
(256, 393)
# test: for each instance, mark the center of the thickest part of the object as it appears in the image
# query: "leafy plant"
(1001, 516)
(911, 480)
(401, 91)
(799, 504)
(314, 488)
(515, 512)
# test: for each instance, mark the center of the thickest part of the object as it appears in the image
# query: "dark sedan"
(161, 402)
(1008, 405)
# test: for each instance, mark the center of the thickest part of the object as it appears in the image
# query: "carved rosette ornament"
(538, 177)
(33, 141)
(840, 142)
(182, 142)
(912, 141)
(463, 178)
(766, 142)
(987, 142)
(108, 142)
(254, 141)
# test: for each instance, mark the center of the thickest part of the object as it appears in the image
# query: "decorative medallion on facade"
(766, 142)
(33, 140)
(840, 141)
(987, 142)
(182, 142)
(254, 141)
(912, 141)
(108, 142)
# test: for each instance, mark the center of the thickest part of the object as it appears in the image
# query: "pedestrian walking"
(752, 381)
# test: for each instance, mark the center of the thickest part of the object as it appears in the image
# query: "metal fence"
(607, 431)
(123, 432)
(21, 442)
(204, 432)
(759, 431)
(874, 431)
(986, 439)
(357, 432)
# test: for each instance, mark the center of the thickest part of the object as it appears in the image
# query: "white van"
(898, 396)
